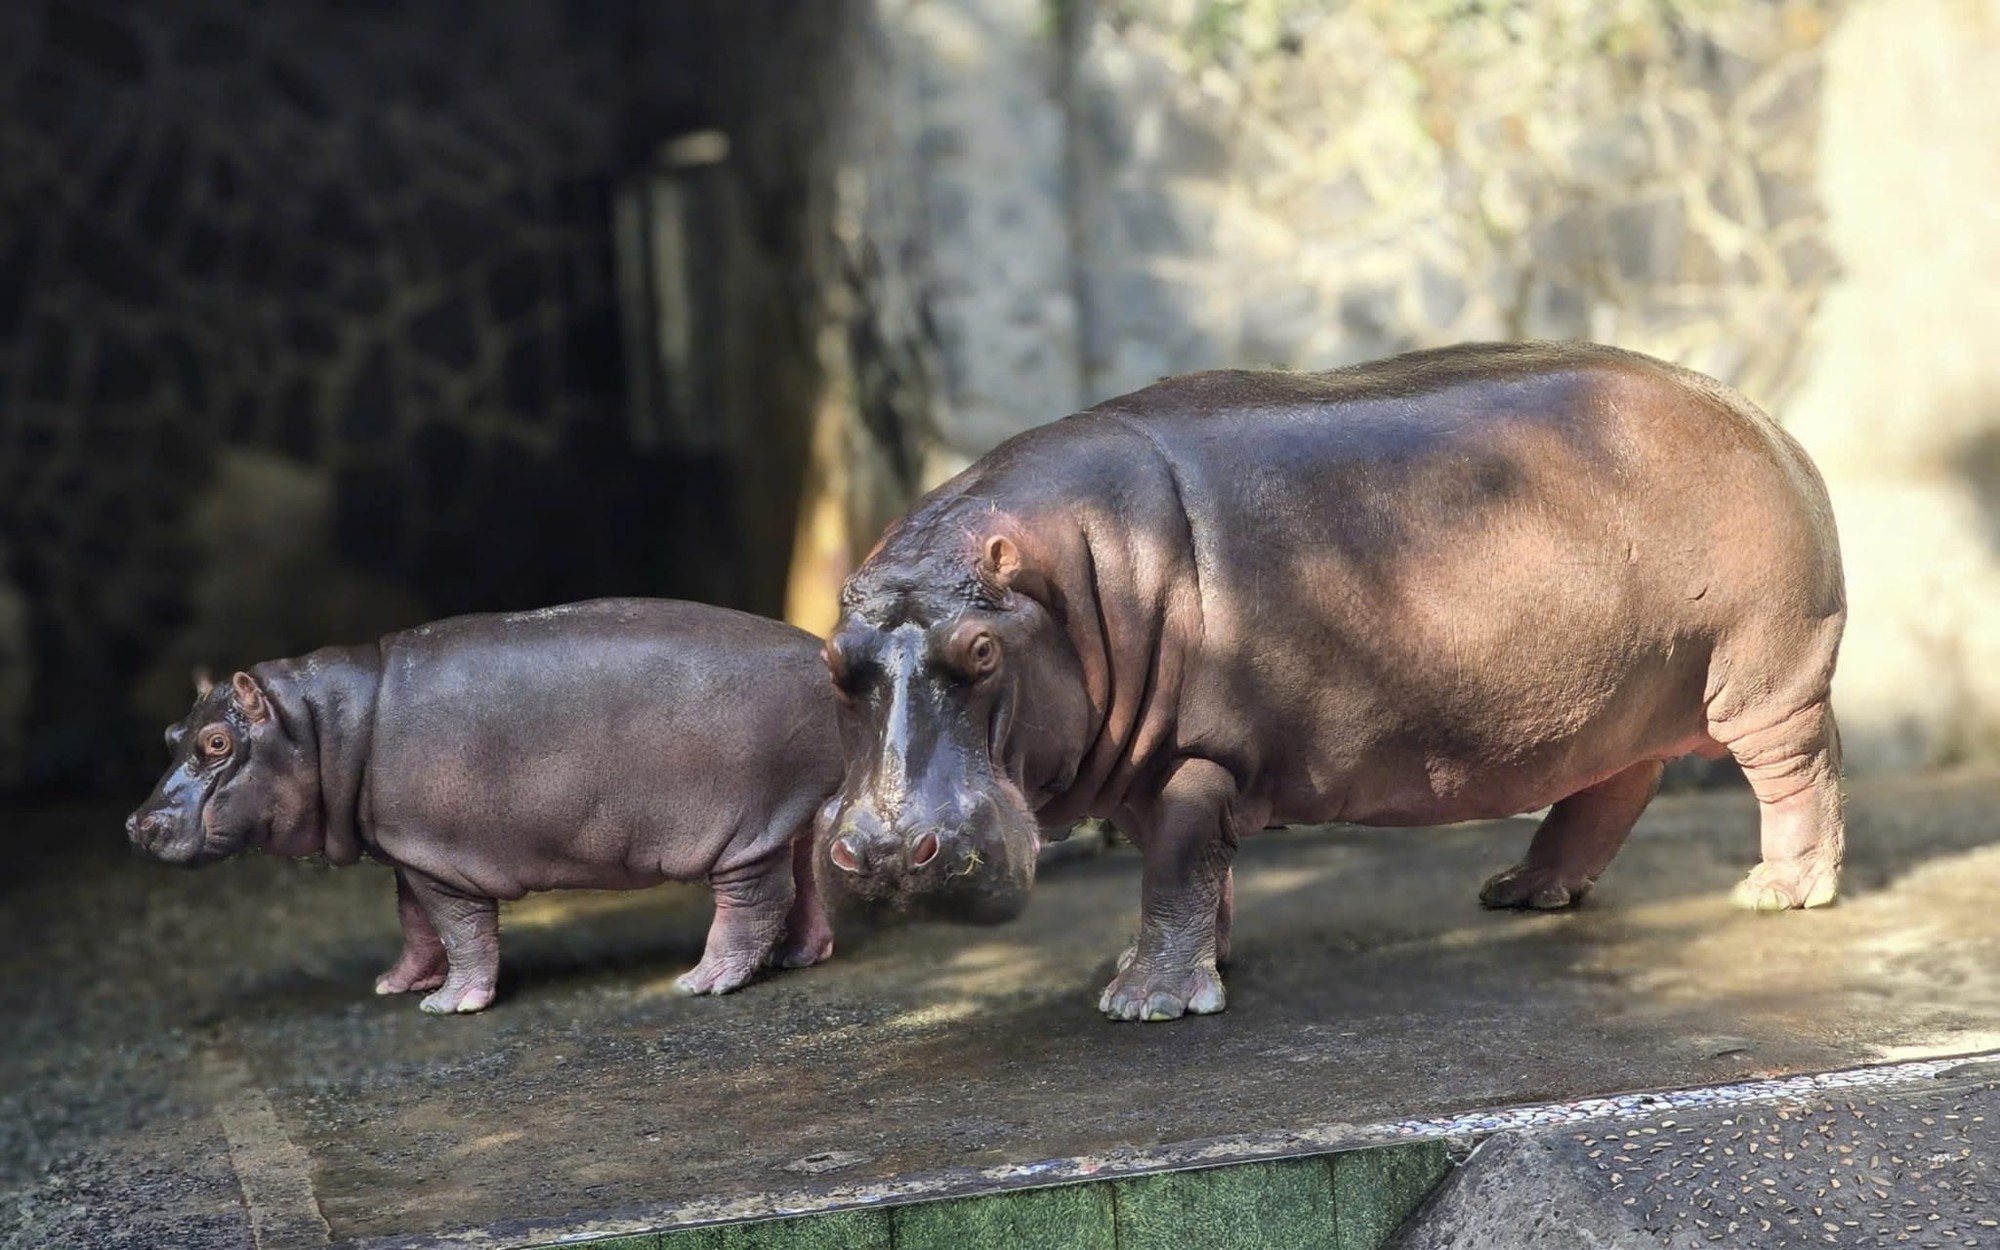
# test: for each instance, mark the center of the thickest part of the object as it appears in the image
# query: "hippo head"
(962, 709)
(237, 781)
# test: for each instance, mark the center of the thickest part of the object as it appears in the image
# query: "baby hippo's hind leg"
(469, 930)
(752, 903)
(1576, 841)
(423, 965)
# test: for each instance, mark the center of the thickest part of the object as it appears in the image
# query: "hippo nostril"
(845, 856)
(924, 851)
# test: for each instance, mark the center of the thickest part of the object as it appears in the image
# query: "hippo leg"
(469, 930)
(423, 965)
(752, 903)
(1186, 850)
(1794, 768)
(1576, 840)
(1225, 917)
(808, 933)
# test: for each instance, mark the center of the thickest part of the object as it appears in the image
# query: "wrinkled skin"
(1454, 585)
(607, 745)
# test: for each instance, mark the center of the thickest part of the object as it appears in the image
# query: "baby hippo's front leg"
(423, 964)
(469, 930)
(753, 910)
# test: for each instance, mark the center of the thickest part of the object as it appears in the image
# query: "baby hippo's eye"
(215, 743)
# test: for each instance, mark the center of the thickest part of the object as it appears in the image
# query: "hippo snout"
(161, 833)
(864, 845)
(965, 861)
(143, 829)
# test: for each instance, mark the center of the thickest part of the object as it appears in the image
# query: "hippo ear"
(203, 681)
(999, 561)
(249, 699)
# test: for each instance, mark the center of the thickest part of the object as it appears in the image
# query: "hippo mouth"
(974, 891)
(167, 835)
(181, 843)
(980, 871)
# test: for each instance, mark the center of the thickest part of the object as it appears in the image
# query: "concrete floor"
(196, 1058)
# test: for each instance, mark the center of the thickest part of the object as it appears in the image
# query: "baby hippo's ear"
(203, 682)
(249, 699)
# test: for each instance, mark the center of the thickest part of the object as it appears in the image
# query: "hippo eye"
(215, 744)
(982, 654)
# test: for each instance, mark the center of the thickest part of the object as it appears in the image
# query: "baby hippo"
(608, 745)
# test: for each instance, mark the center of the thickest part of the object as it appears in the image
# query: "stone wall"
(300, 230)
(309, 328)
(1114, 190)
(1366, 178)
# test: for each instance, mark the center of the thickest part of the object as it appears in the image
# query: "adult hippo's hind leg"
(1793, 765)
(1577, 839)
(1171, 970)
(423, 964)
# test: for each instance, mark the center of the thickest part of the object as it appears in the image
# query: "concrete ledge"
(1914, 1141)
(1351, 1200)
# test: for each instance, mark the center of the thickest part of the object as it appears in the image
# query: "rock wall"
(1108, 191)
(368, 241)
(341, 279)
(1310, 185)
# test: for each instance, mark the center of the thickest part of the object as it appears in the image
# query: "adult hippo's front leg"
(1186, 844)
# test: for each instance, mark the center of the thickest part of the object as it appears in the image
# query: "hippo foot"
(718, 974)
(1532, 889)
(1785, 887)
(459, 997)
(803, 951)
(1162, 993)
(409, 976)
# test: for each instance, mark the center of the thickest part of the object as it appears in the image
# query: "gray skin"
(1453, 585)
(610, 745)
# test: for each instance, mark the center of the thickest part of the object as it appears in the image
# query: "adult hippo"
(1454, 585)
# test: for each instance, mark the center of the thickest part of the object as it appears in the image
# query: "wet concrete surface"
(199, 1053)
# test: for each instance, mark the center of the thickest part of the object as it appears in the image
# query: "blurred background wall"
(319, 319)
